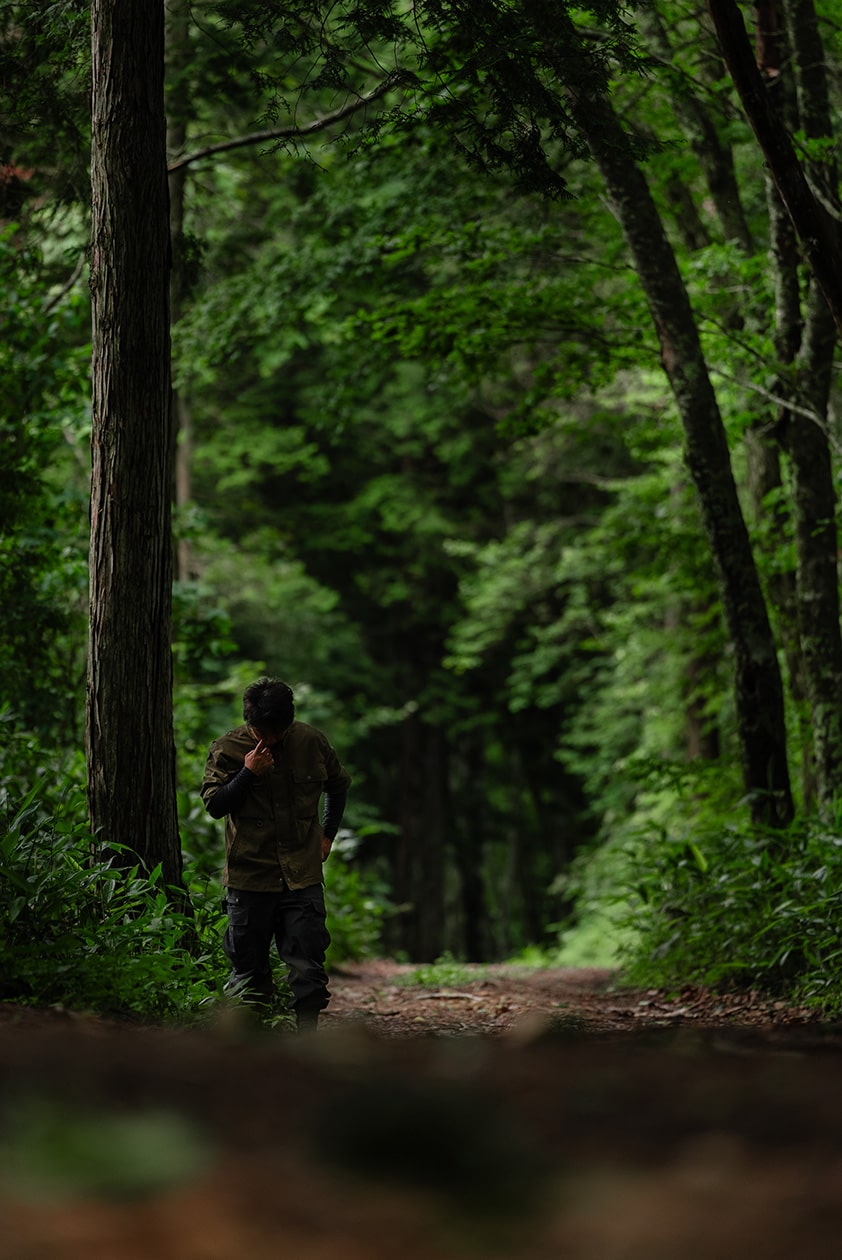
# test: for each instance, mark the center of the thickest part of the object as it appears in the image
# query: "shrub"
(85, 928)
(81, 931)
(357, 903)
(739, 906)
(85, 931)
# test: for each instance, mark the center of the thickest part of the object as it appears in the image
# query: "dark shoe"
(306, 1021)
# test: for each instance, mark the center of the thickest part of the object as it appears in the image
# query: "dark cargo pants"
(295, 920)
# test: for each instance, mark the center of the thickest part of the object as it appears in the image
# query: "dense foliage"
(735, 907)
(430, 471)
(83, 927)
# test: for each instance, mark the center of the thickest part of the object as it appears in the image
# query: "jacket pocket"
(248, 831)
(249, 824)
(309, 785)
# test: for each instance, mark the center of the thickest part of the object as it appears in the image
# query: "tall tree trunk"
(806, 438)
(129, 735)
(419, 868)
(813, 223)
(716, 162)
(802, 426)
(814, 504)
(177, 101)
(471, 772)
(758, 692)
(431, 926)
(764, 444)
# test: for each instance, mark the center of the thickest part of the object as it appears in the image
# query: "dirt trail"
(512, 1114)
(521, 1002)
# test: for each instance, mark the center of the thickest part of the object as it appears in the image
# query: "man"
(267, 779)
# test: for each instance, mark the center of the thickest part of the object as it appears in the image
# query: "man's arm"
(227, 783)
(333, 810)
(336, 793)
(231, 795)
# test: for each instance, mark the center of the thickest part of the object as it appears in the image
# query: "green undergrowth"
(86, 928)
(736, 907)
(727, 907)
(446, 972)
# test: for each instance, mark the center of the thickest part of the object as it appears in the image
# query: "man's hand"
(260, 759)
(327, 845)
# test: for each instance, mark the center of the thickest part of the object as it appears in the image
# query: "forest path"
(536, 1115)
(519, 1002)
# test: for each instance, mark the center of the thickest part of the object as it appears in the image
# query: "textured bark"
(814, 504)
(805, 438)
(813, 224)
(131, 753)
(790, 590)
(758, 688)
(764, 464)
(808, 61)
(716, 163)
(759, 695)
(178, 109)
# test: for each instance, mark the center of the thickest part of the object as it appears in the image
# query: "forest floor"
(506, 1113)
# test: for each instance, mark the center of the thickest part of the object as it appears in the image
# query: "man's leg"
(246, 943)
(302, 939)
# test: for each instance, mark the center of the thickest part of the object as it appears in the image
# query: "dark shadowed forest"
(471, 368)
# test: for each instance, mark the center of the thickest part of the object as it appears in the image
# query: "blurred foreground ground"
(510, 1114)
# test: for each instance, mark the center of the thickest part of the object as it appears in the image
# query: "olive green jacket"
(274, 838)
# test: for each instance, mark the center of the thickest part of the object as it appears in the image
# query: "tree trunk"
(758, 692)
(764, 464)
(129, 735)
(803, 436)
(764, 439)
(177, 101)
(812, 222)
(814, 504)
(806, 439)
(419, 870)
(471, 772)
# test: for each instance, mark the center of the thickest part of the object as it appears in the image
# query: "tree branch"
(292, 132)
(786, 404)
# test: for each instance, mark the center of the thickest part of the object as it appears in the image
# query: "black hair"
(268, 703)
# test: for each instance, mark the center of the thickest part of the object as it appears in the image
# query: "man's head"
(268, 708)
